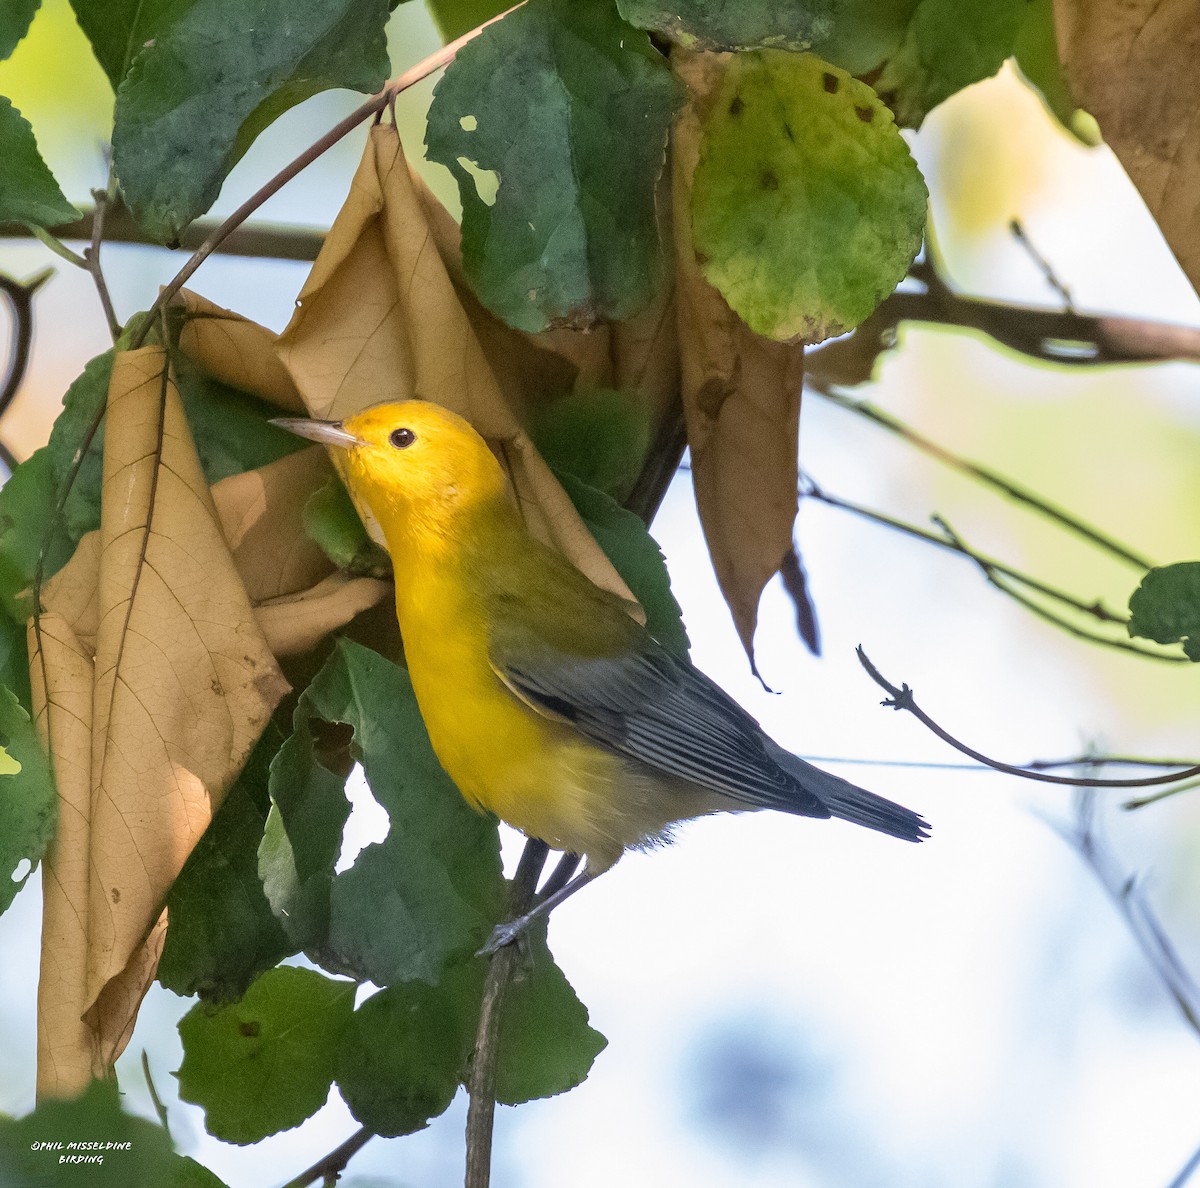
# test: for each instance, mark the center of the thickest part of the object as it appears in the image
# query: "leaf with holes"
(410, 905)
(568, 107)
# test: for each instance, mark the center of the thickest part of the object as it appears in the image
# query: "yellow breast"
(537, 774)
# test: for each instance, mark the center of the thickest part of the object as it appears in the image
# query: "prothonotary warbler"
(546, 703)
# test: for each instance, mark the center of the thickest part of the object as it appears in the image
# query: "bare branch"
(482, 1083)
(984, 475)
(1126, 893)
(901, 698)
(328, 1167)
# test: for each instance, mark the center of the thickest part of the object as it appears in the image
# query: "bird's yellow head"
(418, 466)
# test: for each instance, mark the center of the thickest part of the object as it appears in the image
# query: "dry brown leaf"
(1133, 64)
(379, 318)
(294, 623)
(147, 733)
(261, 514)
(236, 351)
(741, 396)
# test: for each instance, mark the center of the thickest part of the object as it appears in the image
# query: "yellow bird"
(546, 703)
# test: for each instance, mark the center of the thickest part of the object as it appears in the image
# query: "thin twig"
(1044, 613)
(1017, 228)
(1094, 609)
(1034, 765)
(159, 1108)
(329, 1166)
(984, 475)
(91, 253)
(1141, 801)
(482, 1082)
(1126, 894)
(343, 128)
(901, 698)
(1188, 1170)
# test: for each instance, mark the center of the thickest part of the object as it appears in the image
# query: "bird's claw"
(502, 934)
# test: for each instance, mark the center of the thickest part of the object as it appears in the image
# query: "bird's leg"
(505, 934)
(562, 872)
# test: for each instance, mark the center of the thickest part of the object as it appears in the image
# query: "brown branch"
(481, 1084)
(983, 474)
(329, 1166)
(91, 254)
(274, 241)
(902, 699)
(1048, 335)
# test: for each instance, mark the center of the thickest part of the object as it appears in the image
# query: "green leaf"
(28, 191)
(84, 399)
(14, 660)
(303, 833)
(230, 427)
(331, 520)
(600, 436)
(635, 554)
(265, 1064)
(1036, 53)
(118, 30)
(411, 905)
(1166, 607)
(854, 34)
(27, 802)
(222, 933)
(116, 1150)
(546, 1046)
(456, 17)
(735, 24)
(406, 1050)
(214, 77)
(807, 205)
(949, 44)
(15, 19)
(568, 106)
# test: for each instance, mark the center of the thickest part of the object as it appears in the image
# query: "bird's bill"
(326, 432)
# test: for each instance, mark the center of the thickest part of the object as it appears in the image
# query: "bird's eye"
(402, 438)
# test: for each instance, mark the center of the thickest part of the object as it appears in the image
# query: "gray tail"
(852, 803)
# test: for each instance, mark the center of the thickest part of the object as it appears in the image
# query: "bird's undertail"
(852, 803)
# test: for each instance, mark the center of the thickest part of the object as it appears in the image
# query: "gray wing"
(663, 712)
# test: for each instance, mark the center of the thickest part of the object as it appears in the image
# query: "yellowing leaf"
(741, 396)
(1133, 64)
(236, 351)
(147, 731)
(380, 319)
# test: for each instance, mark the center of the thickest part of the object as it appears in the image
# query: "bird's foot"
(505, 934)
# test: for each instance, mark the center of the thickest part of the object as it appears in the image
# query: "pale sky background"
(790, 1002)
